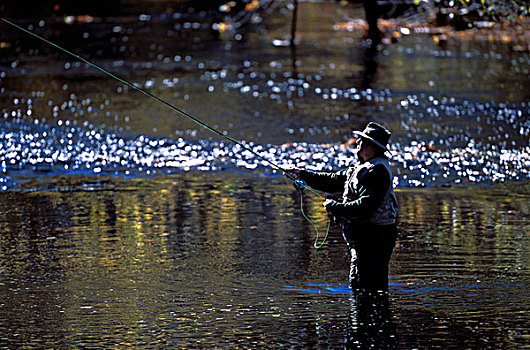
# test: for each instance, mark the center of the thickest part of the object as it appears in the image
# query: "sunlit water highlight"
(70, 148)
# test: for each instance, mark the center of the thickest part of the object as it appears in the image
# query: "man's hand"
(327, 202)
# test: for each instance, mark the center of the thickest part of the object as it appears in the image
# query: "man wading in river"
(368, 208)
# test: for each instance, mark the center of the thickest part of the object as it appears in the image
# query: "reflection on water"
(370, 324)
(204, 260)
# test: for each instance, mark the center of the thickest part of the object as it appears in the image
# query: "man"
(368, 208)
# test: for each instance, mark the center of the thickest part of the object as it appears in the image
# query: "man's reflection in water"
(369, 323)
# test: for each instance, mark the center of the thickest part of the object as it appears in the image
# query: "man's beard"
(361, 159)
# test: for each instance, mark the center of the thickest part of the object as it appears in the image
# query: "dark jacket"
(367, 192)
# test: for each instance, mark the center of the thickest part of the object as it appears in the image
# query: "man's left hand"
(327, 202)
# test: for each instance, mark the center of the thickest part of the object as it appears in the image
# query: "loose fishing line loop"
(299, 184)
(316, 245)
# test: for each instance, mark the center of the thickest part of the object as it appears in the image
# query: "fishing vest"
(386, 213)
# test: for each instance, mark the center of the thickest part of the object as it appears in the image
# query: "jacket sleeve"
(372, 190)
(330, 182)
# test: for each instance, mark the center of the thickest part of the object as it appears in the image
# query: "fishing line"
(300, 185)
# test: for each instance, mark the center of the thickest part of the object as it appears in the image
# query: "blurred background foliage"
(458, 13)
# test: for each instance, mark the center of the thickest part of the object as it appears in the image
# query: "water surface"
(125, 224)
(206, 261)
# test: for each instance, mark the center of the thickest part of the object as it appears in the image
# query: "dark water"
(216, 261)
(125, 224)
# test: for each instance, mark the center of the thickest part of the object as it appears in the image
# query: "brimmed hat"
(376, 134)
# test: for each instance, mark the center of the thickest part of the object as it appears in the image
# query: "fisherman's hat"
(377, 134)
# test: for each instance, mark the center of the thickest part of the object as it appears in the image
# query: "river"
(126, 225)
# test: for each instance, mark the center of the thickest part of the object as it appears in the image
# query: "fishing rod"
(299, 183)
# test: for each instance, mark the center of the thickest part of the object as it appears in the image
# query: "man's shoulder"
(378, 169)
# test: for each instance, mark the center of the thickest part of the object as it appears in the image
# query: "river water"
(127, 225)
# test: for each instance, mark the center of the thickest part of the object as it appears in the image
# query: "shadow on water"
(370, 67)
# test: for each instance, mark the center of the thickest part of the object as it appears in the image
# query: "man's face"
(364, 149)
